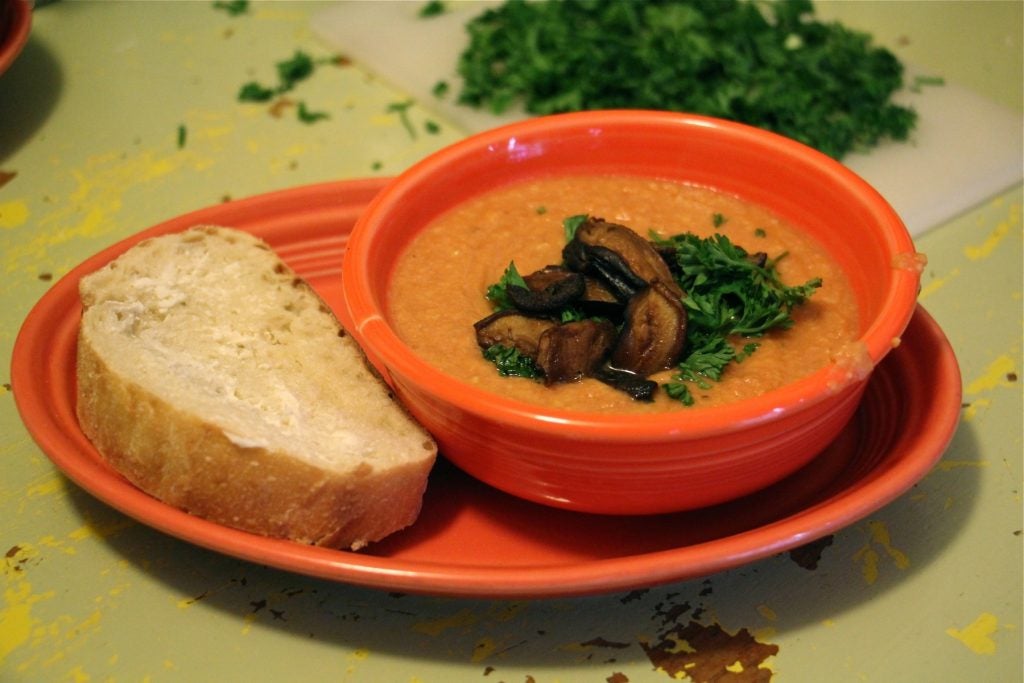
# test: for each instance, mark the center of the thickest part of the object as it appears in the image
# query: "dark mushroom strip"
(570, 351)
(641, 258)
(548, 290)
(513, 330)
(639, 388)
(599, 301)
(606, 264)
(545, 277)
(653, 335)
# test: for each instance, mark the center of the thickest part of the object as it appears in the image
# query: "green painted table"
(118, 115)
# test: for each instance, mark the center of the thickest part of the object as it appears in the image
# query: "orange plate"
(15, 21)
(472, 540)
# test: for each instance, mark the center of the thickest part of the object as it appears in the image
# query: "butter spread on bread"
(216, 380)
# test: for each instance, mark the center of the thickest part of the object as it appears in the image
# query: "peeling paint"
(709, 653)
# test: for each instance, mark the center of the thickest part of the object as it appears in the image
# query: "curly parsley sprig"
(728, 294)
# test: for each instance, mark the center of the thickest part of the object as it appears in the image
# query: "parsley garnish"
(767, 64)
(497, 293)
(510, 362)
(571, 224)
(182, 136)
(727, 295)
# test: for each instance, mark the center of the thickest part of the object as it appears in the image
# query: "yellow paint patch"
(484, 648)
(997, 235)
(937, 284)
(995, 375)
(78, 675)
(971, 411)
(977, 635)
(870, 559)
(17, 624)
(436, 627)
(947, 465)
(992, 240)
(880, 535)
(507, 611)
(93, 530)
(13, 214)
(45, 488)
(89, 212)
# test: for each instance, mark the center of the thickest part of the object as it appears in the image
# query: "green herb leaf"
(572, 224)
(402, 109)
(307, 116)
(182, 136)
(432, 8)
(510, 362)
(498, 293)
(440, 89)
(232, 7)
(254, 92)
(293, 70)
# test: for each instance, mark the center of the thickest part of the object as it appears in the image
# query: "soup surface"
(437, 290)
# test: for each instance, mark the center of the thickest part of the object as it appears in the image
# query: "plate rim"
(583, 577)
(14, 38)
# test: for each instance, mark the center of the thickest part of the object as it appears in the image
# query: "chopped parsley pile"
(767, 64)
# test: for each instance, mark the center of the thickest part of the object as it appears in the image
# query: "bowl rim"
(399, 362)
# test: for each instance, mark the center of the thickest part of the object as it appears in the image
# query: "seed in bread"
(215, 379)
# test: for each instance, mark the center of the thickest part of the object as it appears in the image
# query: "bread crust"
(182, 459)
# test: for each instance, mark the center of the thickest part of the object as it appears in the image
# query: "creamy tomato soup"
(438, 286)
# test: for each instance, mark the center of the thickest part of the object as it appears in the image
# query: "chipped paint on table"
(120, 115)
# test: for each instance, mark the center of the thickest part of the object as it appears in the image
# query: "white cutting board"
(965, 148)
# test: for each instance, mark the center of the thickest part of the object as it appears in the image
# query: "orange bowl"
(650, 463)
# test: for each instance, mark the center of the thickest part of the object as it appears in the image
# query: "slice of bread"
(216, 380)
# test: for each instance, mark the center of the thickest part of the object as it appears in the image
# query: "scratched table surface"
(119, 115)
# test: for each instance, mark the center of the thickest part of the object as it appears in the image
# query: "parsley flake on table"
(767, 64)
